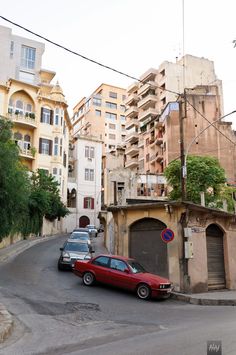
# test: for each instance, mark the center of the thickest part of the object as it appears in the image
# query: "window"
(26, 142)
(122, 118)
(54, 171)
(101, 261)
(111, 116)
(97, 112)
(89, 175)
(123, 127)
(111, 105)
(118, 265)
(46, 115)
(61, 147)
(12, 49)
(112, 136)
(19, 107)
(113, 94)
(89, 152)
(123, 138)
(112, 126)
(28, 57)
(97, 102)
(56, 146)
(28, 108)
(89, 203)
(56, 117)
(45, 146)
(123, 97)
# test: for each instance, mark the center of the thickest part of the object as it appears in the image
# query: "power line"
(81, 55)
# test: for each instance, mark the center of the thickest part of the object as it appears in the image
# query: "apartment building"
(152, 141)
(102, 115)
(84, 182)
(36, 106)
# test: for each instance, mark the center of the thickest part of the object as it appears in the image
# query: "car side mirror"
(61, 249)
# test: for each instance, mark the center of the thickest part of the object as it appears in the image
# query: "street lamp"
(184, 168)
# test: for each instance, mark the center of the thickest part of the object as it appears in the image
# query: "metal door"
(146, 245)
(215, 257)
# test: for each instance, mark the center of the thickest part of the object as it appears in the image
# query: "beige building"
(102, 115)
(201, 255)
(152, 117)
(37, 108)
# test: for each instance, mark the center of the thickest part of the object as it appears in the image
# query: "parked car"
(101, 228)
(80, 229)
(125, 273)
(92, 230)
(81, 236)
(73, 250)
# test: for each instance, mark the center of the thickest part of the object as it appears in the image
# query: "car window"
(76, 247)
(83, 236)
(101, 261)
(118, 265)
(136, 267)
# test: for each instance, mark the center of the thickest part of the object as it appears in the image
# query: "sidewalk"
(211, 298)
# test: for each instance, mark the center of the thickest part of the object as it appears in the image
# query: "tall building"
(102, 115)
(152, 117)
(35, 105)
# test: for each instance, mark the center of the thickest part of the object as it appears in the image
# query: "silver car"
(81, 236)
(73, 250)
(92, 230)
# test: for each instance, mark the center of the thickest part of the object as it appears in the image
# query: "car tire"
(88, 279)
(143, 292)
(59, 266)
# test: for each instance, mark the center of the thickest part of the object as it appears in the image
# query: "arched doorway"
(146, 245)
(215, 257)
(83, 221)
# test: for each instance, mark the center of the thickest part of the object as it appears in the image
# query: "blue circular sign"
(167, 235)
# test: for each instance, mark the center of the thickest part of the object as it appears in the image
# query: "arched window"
(19, 107)
(56, 117)
(26, 143)
(18, 136)
(89, 203)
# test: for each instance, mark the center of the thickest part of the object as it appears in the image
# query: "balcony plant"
(32, 115)
(33, 151)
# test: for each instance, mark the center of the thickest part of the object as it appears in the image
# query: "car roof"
(80, 232)
(80, 229)
(124, 258)
(79, 241)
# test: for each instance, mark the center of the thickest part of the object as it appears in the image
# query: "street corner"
(6, 323)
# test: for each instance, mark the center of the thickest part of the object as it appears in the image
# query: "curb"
(203, 301)
(6, 323)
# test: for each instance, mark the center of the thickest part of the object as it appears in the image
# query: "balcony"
(159, 157)
(27, 153)
(23, 119)
(149, 75)
(131, 99)
(132, 88)
(159, 139)
(145, 87)
(148, 101)
(132, 150)
(152, 159)
(149, 113)
(131, 137)
(131, 123)
(132, 112)
(132, 163)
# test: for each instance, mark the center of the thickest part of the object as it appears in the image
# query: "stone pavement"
(214, 298)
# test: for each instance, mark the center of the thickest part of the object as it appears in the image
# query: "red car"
(122, 272)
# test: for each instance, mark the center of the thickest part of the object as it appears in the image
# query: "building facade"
(102, 115)
(37, 108)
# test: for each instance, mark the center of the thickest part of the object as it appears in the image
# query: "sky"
(128, 35)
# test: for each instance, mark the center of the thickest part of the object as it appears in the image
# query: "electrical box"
(188, 232)
(188, 250)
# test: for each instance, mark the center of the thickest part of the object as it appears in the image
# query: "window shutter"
(92, 203)
(84, 202)
(40, 145)
(51, 117)
(41, 117)
(50, 147)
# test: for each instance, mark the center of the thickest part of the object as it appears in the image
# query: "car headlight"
(87, 257)
(66, 256)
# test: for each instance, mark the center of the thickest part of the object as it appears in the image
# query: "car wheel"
(143, 292)
(88, 279)
(59, 266)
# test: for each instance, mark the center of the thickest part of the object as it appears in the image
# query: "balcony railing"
(27, 153)
(23, 118)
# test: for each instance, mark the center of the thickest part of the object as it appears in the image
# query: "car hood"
(153, 278)
(78, 255)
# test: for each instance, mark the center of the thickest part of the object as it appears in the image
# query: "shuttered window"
(89, 203)
(45, 146)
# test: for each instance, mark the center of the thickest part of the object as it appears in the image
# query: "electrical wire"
(81, 55)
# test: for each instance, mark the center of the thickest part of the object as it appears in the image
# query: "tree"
(14, 183)
(204, 175)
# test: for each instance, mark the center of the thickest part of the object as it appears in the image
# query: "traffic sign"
(167, 235)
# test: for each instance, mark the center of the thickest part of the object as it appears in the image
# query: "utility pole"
(182, 116)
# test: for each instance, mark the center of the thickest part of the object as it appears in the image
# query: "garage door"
(215, 257)
(146, 245)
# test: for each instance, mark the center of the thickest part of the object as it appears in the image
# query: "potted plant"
(33, 151)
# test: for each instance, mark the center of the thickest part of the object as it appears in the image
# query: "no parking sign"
(167, 235)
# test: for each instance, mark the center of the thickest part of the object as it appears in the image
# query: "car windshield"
(90, 226)
(136, 267)
(76, 247)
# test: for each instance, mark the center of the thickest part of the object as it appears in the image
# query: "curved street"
(54, 313)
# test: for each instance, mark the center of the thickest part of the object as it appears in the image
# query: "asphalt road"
(55, 313)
